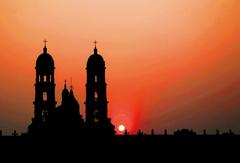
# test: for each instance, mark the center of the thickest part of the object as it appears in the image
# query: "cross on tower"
(45, 46)
(45, 42)
(71, 86)
(95, 49)
(95, 42)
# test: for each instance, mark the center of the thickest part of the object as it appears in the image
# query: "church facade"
(66, 118)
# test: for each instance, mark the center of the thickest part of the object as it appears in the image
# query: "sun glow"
(121, 128)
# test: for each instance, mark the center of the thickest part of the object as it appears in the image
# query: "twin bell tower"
(66, 118)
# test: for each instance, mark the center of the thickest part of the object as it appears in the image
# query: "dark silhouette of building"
(185, 132)
(140, 132)
(14, 133)
(44, 104)
(96, 98)
(165, 132)
(152, 132)
(204, 132)
(217, 132)
(230, 133)
(68, 119)
(126, 132)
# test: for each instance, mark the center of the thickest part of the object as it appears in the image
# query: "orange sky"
(170, 64)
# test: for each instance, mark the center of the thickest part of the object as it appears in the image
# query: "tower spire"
(71, 86)
(65, 84)
(45, 46)
(95, 49)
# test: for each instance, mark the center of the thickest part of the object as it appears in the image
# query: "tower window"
(44, 96)
(96, 115)
(95, 78)
(95, 96)
(44, 115)
(44, 78)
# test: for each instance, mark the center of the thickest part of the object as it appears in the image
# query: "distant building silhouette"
(230, 133)
(126, 132)
(204, 132)
(140, 132)
(184, 132)
(165, 132)
(152, 132)
(217, 132)
(14, 133)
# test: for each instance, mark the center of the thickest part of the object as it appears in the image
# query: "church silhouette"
(66, 119)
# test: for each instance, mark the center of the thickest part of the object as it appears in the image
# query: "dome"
(45, 60)
(72, 99)
(95, 60)
(65, 92)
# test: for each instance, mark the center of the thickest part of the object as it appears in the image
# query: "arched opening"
(44, 96)
(95, 96)
(45, 78)
(96, 115)
(44, 115)
(95, 78)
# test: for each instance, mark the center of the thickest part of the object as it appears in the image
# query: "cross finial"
(71, 86)
(45, 48)
(95, 42)
(95, 49)
(45, 42)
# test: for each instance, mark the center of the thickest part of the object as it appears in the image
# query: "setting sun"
(121, 128)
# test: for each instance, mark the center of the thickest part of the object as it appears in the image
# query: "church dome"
(45, 60)
(95, 60)
(73, 100)
(65, 93)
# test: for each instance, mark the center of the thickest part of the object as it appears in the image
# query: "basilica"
(66, 119)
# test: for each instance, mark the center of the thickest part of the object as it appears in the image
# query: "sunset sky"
(170, 63)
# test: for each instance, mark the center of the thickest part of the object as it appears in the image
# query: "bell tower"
(44, 104)
(96, 97)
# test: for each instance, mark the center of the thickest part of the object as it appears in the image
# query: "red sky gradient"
(170, 64)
